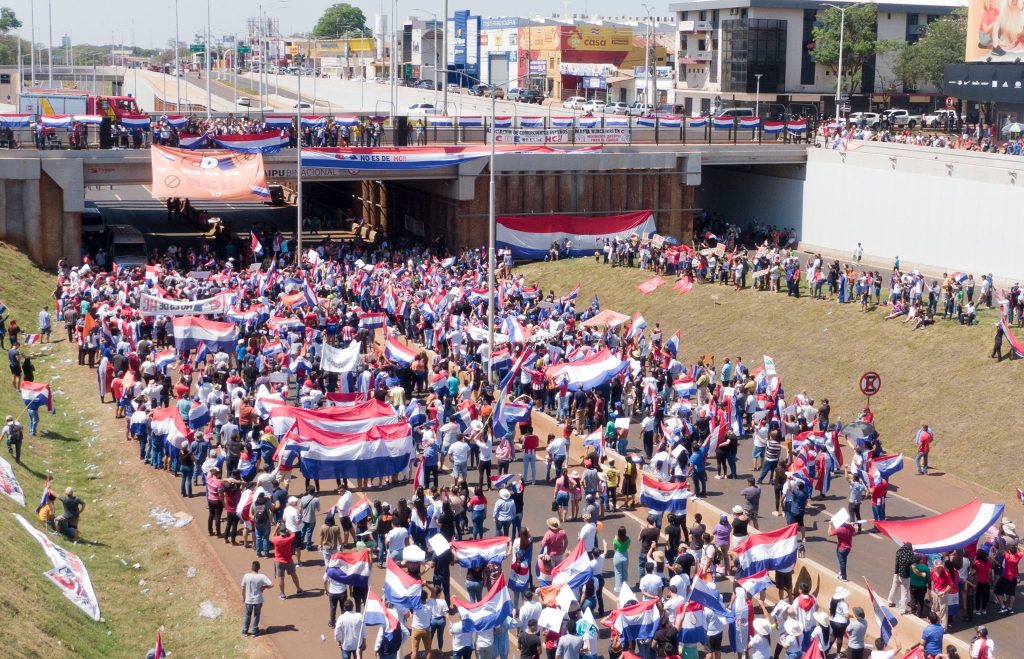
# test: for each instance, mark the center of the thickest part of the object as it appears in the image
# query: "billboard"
(457, 37)
(995, 29)
(590, 38)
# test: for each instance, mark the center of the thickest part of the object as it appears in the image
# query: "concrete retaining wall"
(949, 210)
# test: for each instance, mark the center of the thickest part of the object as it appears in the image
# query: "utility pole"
(49, 43)
(209, 91)
(32, 19)
(177, 62)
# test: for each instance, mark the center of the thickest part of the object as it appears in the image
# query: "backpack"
(260, 514)
(16, 433)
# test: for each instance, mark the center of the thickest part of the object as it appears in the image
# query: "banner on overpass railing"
(204, 175)
(531, 135)
(602, 135)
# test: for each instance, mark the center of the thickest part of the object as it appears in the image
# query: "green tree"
(859, 40)
(924, 62)
(340, 19)
(8, 21)
(8, 42)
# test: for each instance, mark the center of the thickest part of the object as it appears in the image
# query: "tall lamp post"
(648, 92)
(757, 95)
(298, 175)
(209, 91)
(839, 67)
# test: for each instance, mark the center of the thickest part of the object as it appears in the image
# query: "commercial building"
(740, 52)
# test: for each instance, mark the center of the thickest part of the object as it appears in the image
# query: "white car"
(244, 100)
(870, 119)
(594, 105)
(639, 109)
(303, 105)
(618, 107)
(574, 103)
(421, 109)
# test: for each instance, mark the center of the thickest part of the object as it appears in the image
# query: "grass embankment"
(84, 448)
(940, 375)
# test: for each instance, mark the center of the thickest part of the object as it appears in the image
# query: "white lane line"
(118, 197)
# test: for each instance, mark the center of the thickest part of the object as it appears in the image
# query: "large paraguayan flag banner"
(530, 236)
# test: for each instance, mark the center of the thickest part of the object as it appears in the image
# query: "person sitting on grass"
(898, 309)
(923, 320)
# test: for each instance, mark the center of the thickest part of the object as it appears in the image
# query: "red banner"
(218, 175)
(651, 285)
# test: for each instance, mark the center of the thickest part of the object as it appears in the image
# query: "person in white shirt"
(588, 533)
(396, 540)
(485, 644)
(292, 518)
(350, 633)
(529, 610)
(462, 642)
(651, 584)
(983, 647)
(881, 653)
(459, 453)
(253, 585)
(337, 593)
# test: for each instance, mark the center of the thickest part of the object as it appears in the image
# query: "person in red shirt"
(924, 445)
(941, 588)
(983, 570)
(283, 542)
(878, 492)
(530, 443)
(844, 544)
(1006, 584)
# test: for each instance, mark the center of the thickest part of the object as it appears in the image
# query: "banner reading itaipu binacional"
(218, 175)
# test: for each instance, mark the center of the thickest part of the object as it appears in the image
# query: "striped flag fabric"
(711, 600)
(401, 588)
(372, 320)
(773, 551)
(165, 358)
(31, 339)
(571, 295)
(639, 621)
(351, 568)
(198, 415)
(1020, 494)
(477, 553)
(136, 121)
(663, 497)
(672, 345)
(886, 465)
(360, 511)
(884, 617)
(489, 612)
(692, 625)
(755, 583)
(36, 395)
(375, 613)
(685, 387)
(398, 353)
(254, 244)
(575, 570)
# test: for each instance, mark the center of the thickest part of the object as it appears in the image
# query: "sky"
(153, 20)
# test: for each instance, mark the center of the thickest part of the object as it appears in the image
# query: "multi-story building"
(742, 52)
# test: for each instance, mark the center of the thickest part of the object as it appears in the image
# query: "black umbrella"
(860, 432)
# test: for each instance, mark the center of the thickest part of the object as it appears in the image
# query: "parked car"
(428, 84)
(736, 112)
(865, 119)
(616, 107)
(639, 109)
(454, 89)
(127, 246)
(594, 105)
(938, 118)
(485, 90)
(668, 110)
(531, 96)
(92, 219)
(421, 109)
(303, 104)
(574, 103)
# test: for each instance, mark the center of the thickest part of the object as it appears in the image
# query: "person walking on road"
(253, 585)
(844, 545)
(284, 542)
(901, 578)
(350, 632)
(923, 441)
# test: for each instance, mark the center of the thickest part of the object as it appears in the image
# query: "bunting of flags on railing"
(616, 122)
(750, 122)
(347, 120)
(670, 122)
(561, 122)
(502, 122)
(646, 122)
(531, 122)
(797, 126)
(773, 127)
(441, 122)
(723, 123)
(698, 122)
(15, 120)
(314, 122)
(471, 122)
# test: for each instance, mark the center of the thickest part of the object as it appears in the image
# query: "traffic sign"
(244, 50)
(870, 383)
(196, 48)
(950, 101)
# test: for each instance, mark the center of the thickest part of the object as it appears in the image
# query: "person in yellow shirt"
(45, 510)
(612, 480)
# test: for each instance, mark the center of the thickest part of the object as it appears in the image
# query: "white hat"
(841, 593)
(821, 618)
(504, 493)
(793, 627)
(762, 626)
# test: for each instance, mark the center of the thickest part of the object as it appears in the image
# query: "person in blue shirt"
(697, 470)
(431, 455)
(931, 637)
(798, 497)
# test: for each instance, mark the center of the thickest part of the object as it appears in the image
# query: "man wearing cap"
(855, 634)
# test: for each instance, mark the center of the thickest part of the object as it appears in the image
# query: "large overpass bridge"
(42, 193)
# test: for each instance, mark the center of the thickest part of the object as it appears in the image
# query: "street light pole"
(298, 176)
(177, 62)
(209, 91)
(491, 221)
(49, 43)
(444, 54)
(839, 67)
(757, 95)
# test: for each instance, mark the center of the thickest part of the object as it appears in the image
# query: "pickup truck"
(902, 118)
(937, 119)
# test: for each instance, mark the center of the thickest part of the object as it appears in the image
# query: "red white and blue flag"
(663, 497)
(477, 553)
(755, 583)
(773, 127)
(398, 353)
(15, 120)
(711, 600)
(36, 395)
(31, 339)
(886, 466)
(278, 121)
(351, 568)
(638, 621)
(372, 320)
(797, 126)
(684, 387)
(589, 373)
(884, 617)
(773, 551)
(191, 142)
(750, 122)
(723, 122)
(269, 142)
(189, 331)
(136, 121)
(529, 237)
(945, 532)
(575, 570)
(165, 358)
(672, 345)
(698, 122)
(198, 415)
(375, 613)
(401, 588)
(254, 244)
(489, 612)
(360, 511)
